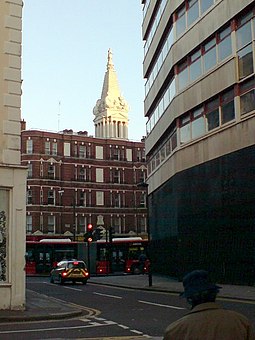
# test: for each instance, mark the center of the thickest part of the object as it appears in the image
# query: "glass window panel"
(174, 141)
(198, 127)
(210, 44)
(197, 112)
(185, 134)
(183, 78)
(195, 70)
(205, 4)
(193, 11)
(166, 99)
(213, 119)
(243, 35)
(227, 112)
(225, 32)
(210, 59)
(245, 61)
(170, 38)
(225, 48)
(168, 147)
(247, 102)
(172, 89)
(181, 22)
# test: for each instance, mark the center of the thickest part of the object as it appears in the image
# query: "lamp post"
(74, 224)
(61, 208)
(145, 186)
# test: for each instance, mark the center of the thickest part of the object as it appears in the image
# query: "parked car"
(75, 271)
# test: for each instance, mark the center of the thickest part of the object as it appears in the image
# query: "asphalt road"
(114, 312)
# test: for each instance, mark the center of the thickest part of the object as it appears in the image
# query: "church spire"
(111, 110)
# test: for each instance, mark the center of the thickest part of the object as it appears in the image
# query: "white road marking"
(124, 327)
(111, 296)
(160, 305)
(78, 290)
(135, 331)
(51, 329)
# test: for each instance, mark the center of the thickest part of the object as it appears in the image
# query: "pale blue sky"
(65, 44)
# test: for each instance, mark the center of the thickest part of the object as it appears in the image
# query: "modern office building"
(75, 179)
(12, 174)
(199, 66)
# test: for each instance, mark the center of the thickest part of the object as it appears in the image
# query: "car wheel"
(74, 282)
(84, 282)
(51, 279)
(61, 281)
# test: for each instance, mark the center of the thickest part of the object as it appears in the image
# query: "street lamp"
(145, 186)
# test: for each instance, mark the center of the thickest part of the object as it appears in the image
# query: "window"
(67, 149)
(47, 148)
(212, 114)
(245, 61)
(82, 199)
(51, 197)
(243, 33)
(99, 198)
(29, 170)
(183, 75)
(209, 56)
(224, 44)
(116, 224)
(185, 132)
(82, 151)
(29, 224)
(227, 107)
(99, 152)
(143, 200)
(81, 174)
(143, 224)
(117, 200)
(205, 4)
(193, 11)
(51, 171)
(29, 196)
(198, 123)
(195, 65)
(181, 22)
(51, 224)
(99, 175)
(116, 176)
(129, 155)
(116, 153)
(247, 96)
(81, 224)
(54, 148)
(29, 146)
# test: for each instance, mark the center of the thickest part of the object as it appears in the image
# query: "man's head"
(198, 288)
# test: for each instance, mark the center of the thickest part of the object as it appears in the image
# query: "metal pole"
(74, 225)
(88, 247)
(145, 185)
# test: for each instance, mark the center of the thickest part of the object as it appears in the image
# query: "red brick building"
(75, 179)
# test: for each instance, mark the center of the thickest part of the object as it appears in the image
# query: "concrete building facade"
(12, 174)
(199, 101)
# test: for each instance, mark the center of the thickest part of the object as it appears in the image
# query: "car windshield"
(76, 265)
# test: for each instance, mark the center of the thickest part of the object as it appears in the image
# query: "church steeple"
(111, 110)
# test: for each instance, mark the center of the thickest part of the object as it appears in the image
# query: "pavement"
(43, 307)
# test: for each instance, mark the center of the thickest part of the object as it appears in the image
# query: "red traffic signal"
(89, 227)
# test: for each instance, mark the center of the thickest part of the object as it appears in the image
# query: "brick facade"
(75, 179)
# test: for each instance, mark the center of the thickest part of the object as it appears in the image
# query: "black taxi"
(74, 271)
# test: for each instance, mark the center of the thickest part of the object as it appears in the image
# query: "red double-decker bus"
(127, 255)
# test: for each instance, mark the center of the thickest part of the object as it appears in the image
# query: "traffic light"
(99, 233)
(88, 236)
